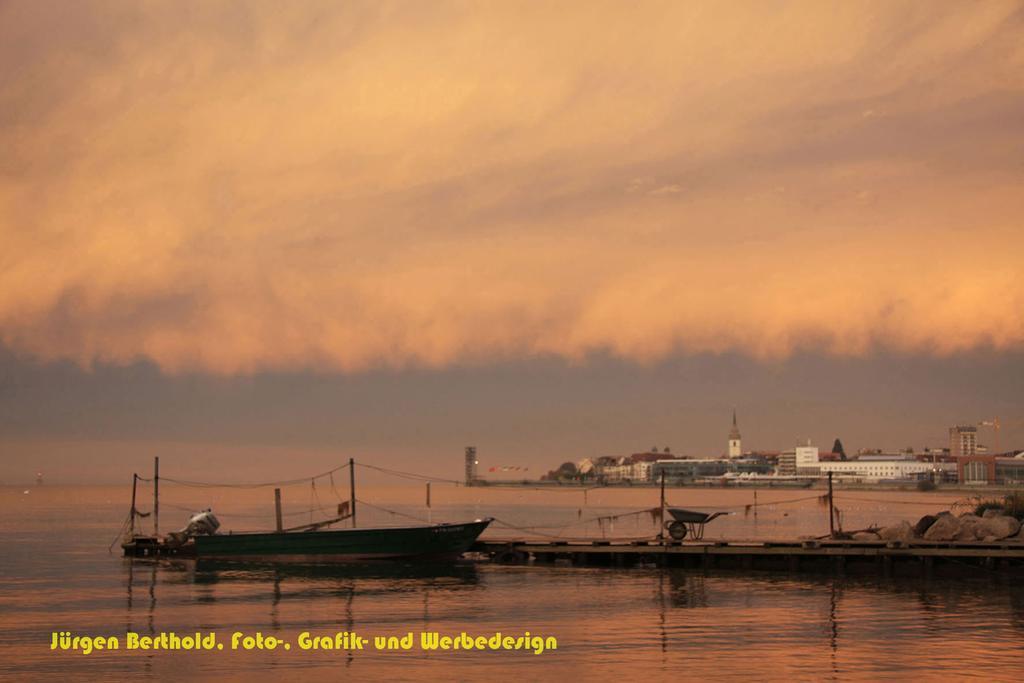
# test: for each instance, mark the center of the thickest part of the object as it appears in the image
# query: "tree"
(566, 470)
(837, 447)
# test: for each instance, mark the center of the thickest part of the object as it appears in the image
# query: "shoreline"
(814, 486)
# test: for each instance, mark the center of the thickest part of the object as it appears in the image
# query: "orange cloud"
(235, 188)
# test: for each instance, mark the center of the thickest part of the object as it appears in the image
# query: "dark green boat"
(437, 541)
(310, 543)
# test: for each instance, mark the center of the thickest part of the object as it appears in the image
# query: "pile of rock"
(993, 525)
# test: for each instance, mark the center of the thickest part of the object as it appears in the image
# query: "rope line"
(889, 502)
(184, 508)
(750, 506)
(393, 512)
(531, 530)
(284, 482)
(408, 475)
(567, 538)
(124, 526)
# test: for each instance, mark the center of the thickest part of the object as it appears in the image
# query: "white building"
(869, 468)
(642, 471)
(613, 473)
(806, 458)
(877, 470)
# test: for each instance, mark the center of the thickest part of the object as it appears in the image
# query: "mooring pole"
(352, 488)
(831, 516)
(131, 526)
(755, 503)
(661, 528)
(156, 497)
(277, 510)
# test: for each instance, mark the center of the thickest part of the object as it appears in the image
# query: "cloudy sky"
(391, 229)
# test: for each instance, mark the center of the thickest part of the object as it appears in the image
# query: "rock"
(899, 532)
(924, 524)
(968, 529)
(865, 536)
(1000, 527)
(945, 528)
(993, 512)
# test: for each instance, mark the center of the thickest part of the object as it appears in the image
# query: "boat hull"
(439, 541)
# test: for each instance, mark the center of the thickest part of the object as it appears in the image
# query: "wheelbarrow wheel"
(677, 530)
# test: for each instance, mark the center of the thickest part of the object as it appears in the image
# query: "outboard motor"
(200, 524)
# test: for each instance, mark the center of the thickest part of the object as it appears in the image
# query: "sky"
(245, 233)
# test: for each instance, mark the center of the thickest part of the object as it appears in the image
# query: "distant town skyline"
(94, 426)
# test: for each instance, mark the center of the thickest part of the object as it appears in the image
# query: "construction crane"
(1013, 424)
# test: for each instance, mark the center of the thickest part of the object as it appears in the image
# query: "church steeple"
(735, 450)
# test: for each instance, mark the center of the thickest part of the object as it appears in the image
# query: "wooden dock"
(882, 557)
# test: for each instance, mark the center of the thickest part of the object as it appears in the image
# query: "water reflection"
(208, 577)
(841, 624)
(419, 573)
(642, 623)
(833, 626)
(688, 589)
(148, 573)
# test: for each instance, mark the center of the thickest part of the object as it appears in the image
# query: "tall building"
(806, 460)
(735, 450)
(963, 440)
(471, 463)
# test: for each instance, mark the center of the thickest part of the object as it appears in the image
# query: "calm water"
(658, 625)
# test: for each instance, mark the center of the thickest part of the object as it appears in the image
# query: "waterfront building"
(638, 467)
(889, 470)
(963, 440)
(677, 471)
(805, 459)
(586, 468)
(616, 473)
(683, 470)
(869, 466)
(642, 471)
(990, 469)
(786, 466)
(770, 457)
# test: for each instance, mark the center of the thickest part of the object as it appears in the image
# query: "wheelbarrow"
(689, 522)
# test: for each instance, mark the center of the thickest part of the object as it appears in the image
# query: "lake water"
(609, 624)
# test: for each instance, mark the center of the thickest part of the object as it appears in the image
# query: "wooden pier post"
(428, 504)
(352, 489)
(156, 496)
(131, 525)
(277, 510)
(831, 509)
(661, 529)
